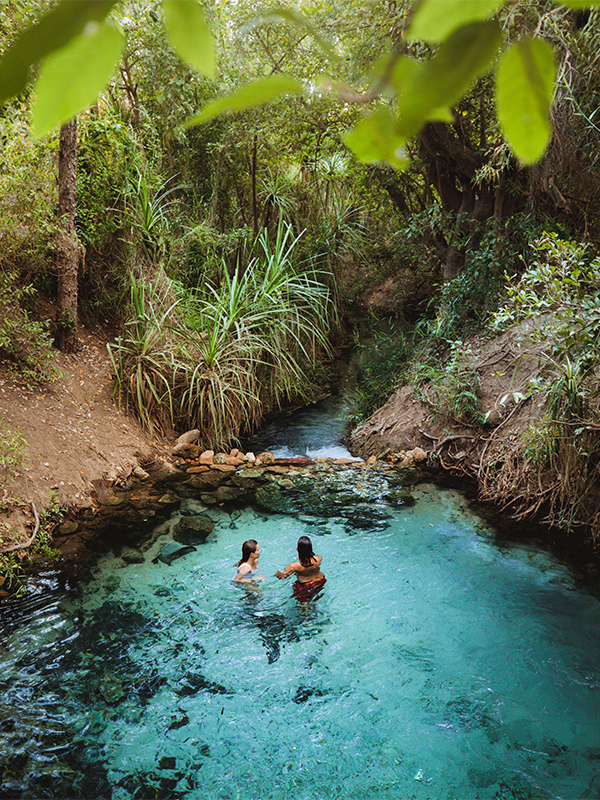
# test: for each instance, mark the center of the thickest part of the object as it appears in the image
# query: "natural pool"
(440, 662)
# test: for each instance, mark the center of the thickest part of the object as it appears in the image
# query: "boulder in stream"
(171, 551)
(194, 529)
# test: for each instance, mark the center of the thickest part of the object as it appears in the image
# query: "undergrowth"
(24, 342)
(561, 292)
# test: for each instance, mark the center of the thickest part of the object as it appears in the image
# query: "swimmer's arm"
(289, 570)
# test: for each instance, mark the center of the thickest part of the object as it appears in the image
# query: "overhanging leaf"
(189, 34)
(524, 90)
(72, 77)
(252, 94)
(442, 81)
(53, 31)
(580, 3)
(377, 137)
(435, 19)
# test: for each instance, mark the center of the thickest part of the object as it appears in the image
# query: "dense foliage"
(254, 181)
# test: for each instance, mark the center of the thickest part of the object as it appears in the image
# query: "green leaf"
(71, 78)
(580, 3)
(252, 94)
(378, 137)
(524, 90)
(440, 82)
(435, 19)
(189, 34)
(53, 31)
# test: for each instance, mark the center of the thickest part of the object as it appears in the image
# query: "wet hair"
(248, 548)
(305, 551)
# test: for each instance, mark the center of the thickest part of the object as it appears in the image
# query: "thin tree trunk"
(68, 248)
(254, 202)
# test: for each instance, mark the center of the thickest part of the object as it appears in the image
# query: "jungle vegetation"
(247, 176)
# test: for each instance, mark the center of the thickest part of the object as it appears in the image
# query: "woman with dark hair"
(248, 564)
(309, 578)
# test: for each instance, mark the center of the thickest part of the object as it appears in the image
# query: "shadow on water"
(277, 628)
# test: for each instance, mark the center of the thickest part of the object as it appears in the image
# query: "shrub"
(26, 343)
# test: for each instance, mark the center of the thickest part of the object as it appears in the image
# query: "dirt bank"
(496, 454)
(73, 435)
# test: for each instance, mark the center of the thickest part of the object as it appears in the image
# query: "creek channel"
(444, 660)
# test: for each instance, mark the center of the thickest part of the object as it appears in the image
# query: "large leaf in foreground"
(378, 137)
(189, 34)
(252, 94)
(53, 31)
(435, 19)
(71, 78)
(440, 82)
(524, 90)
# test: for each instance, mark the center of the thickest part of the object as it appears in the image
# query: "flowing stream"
(441, 662)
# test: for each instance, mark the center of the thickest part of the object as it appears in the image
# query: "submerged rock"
(111, 689)
(171, 551)
(194, 529)
(132, 555)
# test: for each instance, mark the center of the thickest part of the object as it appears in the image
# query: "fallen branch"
(29, 542)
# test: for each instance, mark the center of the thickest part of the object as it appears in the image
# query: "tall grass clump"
(217, 358)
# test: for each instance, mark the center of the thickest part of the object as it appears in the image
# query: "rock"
(68, 526)
(178, 721)
(266, 458)
(220, 458)
(372, 460)
(234, 461)
(250, 474)
(277, 470)
(168, 499)
(171, 551)
(190, 506)
(226, 468)
(269, 496)
(250, 458)
(140, 473)
(228, 494)
(186, 450)
(131, 555)
(111, 689)
(235, 452)
(167, 472)
(207, 455)
(198, 469)
(419, 454)
(209, 480)
(193, 530)
(190, 437)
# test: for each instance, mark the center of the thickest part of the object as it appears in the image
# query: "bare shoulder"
(243, 570)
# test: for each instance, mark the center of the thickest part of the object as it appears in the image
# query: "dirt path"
(73, 434)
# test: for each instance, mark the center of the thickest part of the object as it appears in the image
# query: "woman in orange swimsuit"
(309, 578)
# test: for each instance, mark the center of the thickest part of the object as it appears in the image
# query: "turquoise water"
(438, 663)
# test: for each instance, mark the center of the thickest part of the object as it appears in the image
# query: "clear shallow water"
(436, 664)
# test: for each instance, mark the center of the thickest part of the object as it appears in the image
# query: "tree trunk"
(68, 247)
(254, 201)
